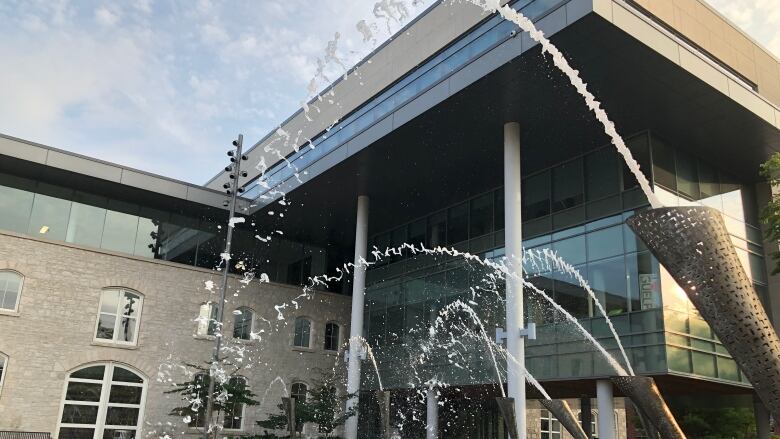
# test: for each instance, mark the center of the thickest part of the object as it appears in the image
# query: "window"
(594, 423)
(3, 367)
(299, 272)
(10, 290)
(243, 323)
(331, 337)
(234, 412)
(207, 320)
(118, 317)
(302, 337)
(298, 393)
(102, 401)
(199, 391)
(550, 427)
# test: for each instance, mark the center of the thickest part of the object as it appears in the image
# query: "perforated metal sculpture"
(692, 243)
(643, 392)
(562, 412)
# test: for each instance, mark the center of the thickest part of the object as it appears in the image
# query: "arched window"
(331, 337)
(118, 316)
(102, 401)
(243, 323)
(207, 320)
(3, 367)
(550, 426)
(298, 391)
(302, 337)
(10, 290)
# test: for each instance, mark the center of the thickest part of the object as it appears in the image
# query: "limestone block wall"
(53, 331)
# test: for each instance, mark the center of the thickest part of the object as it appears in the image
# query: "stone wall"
(53, 332)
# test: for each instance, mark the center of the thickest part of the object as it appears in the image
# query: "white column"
(762, 419)
(514, 288)
(356, 323)
(432, 418)
(605, 402)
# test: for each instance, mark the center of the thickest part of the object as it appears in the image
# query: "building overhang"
(446, 144)
(29, 159)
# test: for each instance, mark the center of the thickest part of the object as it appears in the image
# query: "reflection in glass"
(78, 391)
(125, 394)
(85, 225)
(605, 243)
(49, 218)
(127, 329)
(607, 279)
(567, 188)
(602, 176)
(536, 196)
(76, 433)
(122, 416)
(106, 324)
(90, 373)
(119, 232)
(125, 376)
(15, 206)
(458, 223)
(481, 215)
(79, 414)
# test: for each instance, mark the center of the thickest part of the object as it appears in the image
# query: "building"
(103, 274)
(417, 156)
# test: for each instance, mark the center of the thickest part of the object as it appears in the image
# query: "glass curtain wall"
(684, 180)
(63, 214)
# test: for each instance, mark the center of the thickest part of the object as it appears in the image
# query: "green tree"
(718, 423)
(323, 406)
(229, 395)
(770, 216)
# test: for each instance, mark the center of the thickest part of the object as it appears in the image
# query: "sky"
(165, 85)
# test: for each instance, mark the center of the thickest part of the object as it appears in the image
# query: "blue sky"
(164, 85)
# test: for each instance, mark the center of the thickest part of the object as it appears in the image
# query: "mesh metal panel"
(643, 392)
(562, 412)
(694, 246)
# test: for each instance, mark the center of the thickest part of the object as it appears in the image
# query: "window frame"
(243, 407)
(251, 322)
(212, 310)
(550, 418)
(295, 333)
(4, 360)
(337, 343)
(15, 309)
(103, 404)
(118, 316)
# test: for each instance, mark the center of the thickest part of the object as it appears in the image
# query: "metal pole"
(432, 414)
(236, 172)
(605, 402)
(356, 324)
(514, 287)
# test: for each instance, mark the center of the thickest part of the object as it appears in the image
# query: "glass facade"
(459, 54)
(191, 234)
(576, 209)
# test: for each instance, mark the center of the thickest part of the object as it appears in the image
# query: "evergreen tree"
(228, 396)
(771, 213)
(323, 406)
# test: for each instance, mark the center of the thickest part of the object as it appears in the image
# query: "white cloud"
(163, 86)
(105, 17)
(758, 18)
